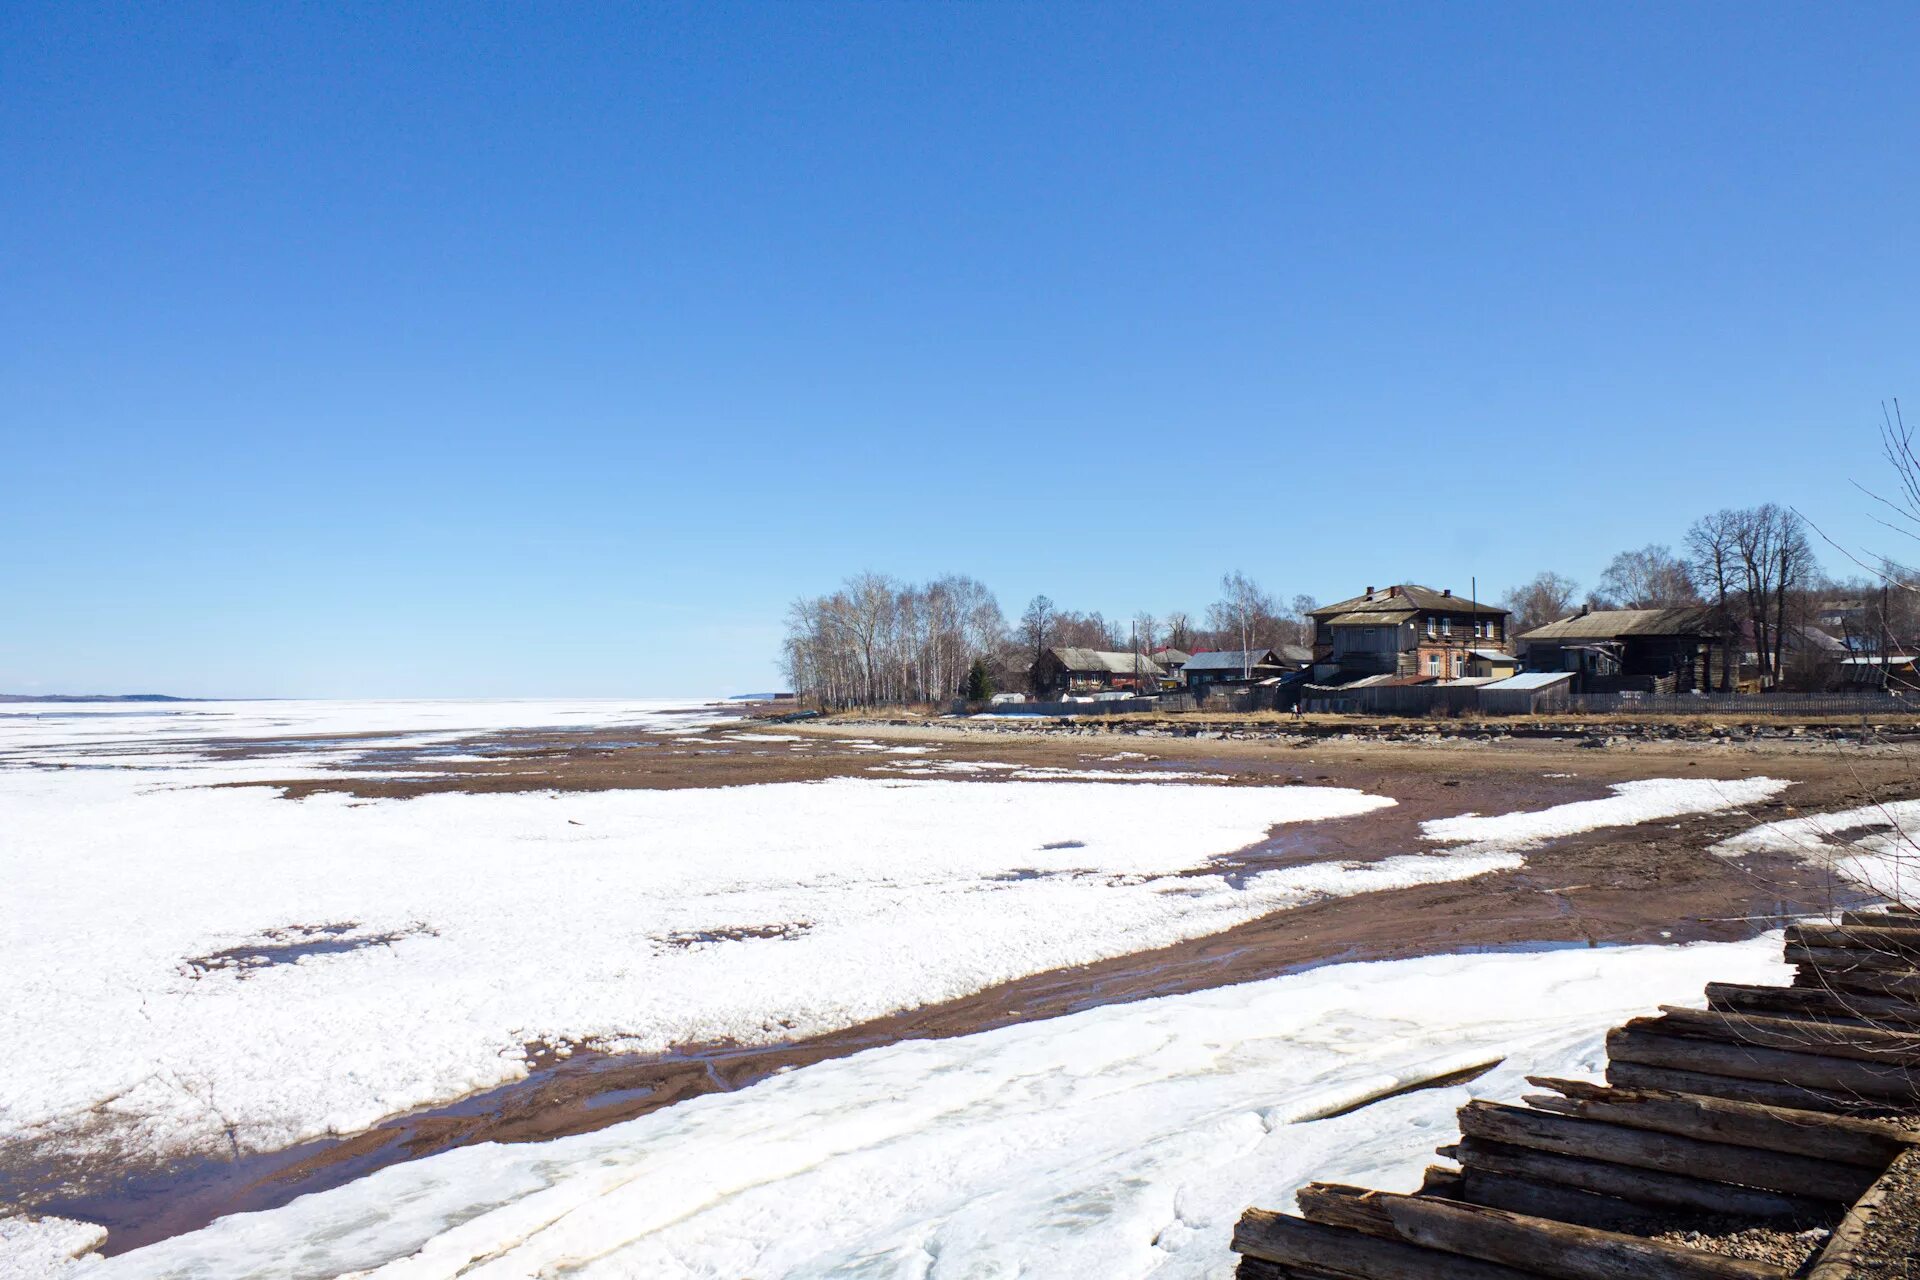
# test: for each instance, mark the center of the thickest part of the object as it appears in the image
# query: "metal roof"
(1233, 660)
(1494, 655)
(1102, 660)
(1614, 624)
(1531, 680)
(1408, 597)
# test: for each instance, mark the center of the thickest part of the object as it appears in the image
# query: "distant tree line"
(877, 641)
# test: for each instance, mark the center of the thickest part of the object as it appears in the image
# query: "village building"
(1676, 650)
(1063, 672)
(1243, 666)
(1171, 660)
(1406, 630)
(1491, 664)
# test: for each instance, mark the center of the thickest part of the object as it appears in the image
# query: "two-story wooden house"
(1405, 630)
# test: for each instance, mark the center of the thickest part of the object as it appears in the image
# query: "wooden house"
(1647, 650)
(1063, 672)
(1239, 667)
(1406, 630)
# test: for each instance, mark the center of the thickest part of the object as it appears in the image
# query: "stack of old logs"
(1773, 1106)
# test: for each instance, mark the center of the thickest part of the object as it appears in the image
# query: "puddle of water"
(292, 944)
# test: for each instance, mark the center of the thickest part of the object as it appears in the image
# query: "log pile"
(1773, 1106)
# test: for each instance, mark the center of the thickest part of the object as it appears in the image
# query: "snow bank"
(1631, 803)
(423, 942)
(1873, 846)
(36, 1248)
(1113, 1144)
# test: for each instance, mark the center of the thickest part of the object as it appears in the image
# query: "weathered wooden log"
(1665, 1152)
(1880, 919)
(1261, 1269)
(1892, 986)
(1638, 1186)
(1751, 1062)
(1551, 1200)
(1542, 1246)
(1295, 1242)
(1814, 1003)
(1840, 1258)
(1746, 1124)
(1438, 1180)
(1635, 1075)
(1794, 1035)
(1838, 959)
(1880, 940)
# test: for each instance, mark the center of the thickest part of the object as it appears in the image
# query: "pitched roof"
(1101, 660)
(1408, 597)
(1235, 659)
(1614, 624)
(1172, 656)
(1493, 655)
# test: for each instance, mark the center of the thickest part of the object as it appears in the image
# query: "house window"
(1446, 626)
(1433, 664)
(1459, 665)
(1430, 625)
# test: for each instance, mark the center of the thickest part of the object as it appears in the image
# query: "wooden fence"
(1864, 702)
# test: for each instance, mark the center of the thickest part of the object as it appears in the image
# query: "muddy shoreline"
(1654, 883)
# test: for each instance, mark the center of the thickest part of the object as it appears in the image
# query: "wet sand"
(1654, 883)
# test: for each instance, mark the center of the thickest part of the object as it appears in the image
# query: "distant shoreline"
(100, 697)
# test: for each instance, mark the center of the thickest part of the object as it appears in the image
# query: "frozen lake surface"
(202, 967)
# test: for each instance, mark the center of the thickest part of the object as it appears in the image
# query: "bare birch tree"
(877, 641)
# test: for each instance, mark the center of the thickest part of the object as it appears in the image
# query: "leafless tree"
(1180, 633)
(1713, 555)
(1036, 631)
(1299, 614)
(1547, 598)
(1243, 611)
(1774, 559)
(1650, 578)
(878, 641)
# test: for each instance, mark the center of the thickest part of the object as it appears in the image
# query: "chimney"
(1369, 593)
(1447, 591)
(1392, 592)
(1585, 609)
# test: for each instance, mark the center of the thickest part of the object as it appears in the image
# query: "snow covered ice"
(539, 917)
(1631, 803)
(1116, 1144)
(1874, 846)
(206, 967)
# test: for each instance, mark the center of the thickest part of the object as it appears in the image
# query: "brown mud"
(1654, 883)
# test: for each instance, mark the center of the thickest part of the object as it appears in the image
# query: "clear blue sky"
(526, 349)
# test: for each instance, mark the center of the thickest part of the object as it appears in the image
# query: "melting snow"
(1630, 803)
(504, 919)
(1116, 1144)
(1873, 846)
